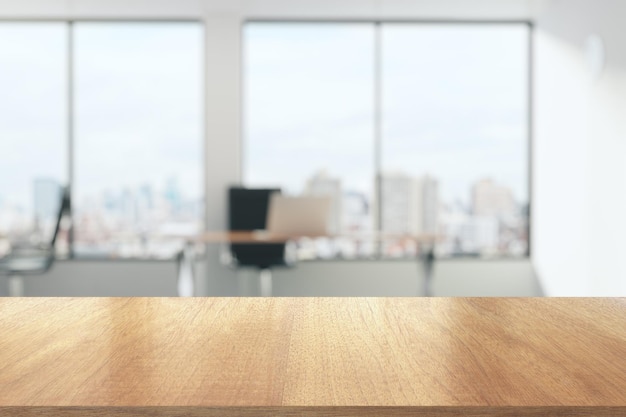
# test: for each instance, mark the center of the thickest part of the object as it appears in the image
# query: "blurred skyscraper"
(429, 193)
(146, 197)
(173, 194)
(322, 184)
(492, 200)
(129, 206)
(409, 205)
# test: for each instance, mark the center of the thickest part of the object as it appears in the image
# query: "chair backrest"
(63, 208)
(247, 210)
(247, 207)
(38, 261)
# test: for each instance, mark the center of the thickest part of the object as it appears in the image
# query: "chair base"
(257, 285)
(265, 282)
(15, 286)
(185, 280)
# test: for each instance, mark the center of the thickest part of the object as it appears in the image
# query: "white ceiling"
(386, 9)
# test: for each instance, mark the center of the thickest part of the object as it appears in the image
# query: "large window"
(455, 136)
(113, 109)
(138, 137)
(413, 128)
(309, 102)
(33, 130)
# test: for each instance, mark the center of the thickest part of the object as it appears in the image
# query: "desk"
(312, 357)
(425, 243)
(248, 236)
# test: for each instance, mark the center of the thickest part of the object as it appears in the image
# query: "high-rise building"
(322, 184)
(146, 197)
(173, 194)
(128, 205)
(47, 197)
(398, 205)
(429, 190)
(492, 200)
(409, 205)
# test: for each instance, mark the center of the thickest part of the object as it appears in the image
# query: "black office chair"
(247, 210)
(35, 260)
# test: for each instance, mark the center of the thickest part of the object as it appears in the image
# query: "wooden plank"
(331, 356)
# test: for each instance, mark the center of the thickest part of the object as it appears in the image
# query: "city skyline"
(120, 69)
(132, 222)
(492, 224)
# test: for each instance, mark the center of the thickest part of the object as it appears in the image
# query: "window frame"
(377, 64)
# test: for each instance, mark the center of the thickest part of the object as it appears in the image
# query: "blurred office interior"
(495, 127)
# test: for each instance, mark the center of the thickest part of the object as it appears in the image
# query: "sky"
(138, 107)
(33, 89)
(453, 104)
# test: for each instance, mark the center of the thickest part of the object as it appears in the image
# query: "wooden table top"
(313, 356)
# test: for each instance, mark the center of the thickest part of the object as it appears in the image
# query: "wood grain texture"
(312, 356)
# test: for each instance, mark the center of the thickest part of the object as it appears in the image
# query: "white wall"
(580, 150)
(223, 20)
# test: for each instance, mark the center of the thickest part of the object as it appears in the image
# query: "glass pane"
(138, 144)
(33, 130)
(309, 124)
(455, 137)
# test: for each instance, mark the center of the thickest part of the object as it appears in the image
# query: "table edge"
(317, 411)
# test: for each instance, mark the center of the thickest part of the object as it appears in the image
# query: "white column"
(223, 136)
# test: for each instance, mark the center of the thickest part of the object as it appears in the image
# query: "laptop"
(298, 216)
